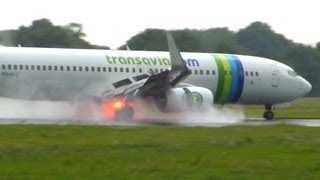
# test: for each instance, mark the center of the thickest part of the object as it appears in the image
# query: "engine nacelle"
(185, 99)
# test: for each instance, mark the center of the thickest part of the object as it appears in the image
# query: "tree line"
(256, 39)
(43, 33)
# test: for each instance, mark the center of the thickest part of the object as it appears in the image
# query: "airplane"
(176, 81)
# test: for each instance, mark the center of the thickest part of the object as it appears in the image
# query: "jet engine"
(185, 99)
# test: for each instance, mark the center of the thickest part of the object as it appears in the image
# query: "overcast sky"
(112, 22)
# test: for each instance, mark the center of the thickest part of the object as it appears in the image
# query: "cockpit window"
(292, 73)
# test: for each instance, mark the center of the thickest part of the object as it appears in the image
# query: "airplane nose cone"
(306, 87)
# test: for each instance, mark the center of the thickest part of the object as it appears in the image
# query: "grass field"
(167, 152)
(303, 108)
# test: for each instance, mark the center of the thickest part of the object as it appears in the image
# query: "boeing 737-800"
(177, 82)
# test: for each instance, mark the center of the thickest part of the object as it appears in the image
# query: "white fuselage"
(64, 74)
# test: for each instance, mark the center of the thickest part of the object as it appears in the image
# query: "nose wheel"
(268, 114)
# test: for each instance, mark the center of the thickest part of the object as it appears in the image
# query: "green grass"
(168, 152)
(303, 108)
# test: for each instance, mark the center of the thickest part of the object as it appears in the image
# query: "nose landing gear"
(268, 114)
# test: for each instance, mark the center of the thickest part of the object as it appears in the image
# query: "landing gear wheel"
(268, 115)
(124, 114)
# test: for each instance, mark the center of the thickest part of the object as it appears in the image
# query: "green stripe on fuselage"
(224, 80)
(227, 78)
(220, 73)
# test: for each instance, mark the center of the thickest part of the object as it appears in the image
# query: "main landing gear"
(125, 113)
(268, 114)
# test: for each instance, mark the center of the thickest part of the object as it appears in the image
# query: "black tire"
(124, 114)
(268, 115)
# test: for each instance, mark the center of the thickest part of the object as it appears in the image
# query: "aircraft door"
(275, 81)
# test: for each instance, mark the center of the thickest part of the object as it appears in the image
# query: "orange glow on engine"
(118, 104)
(110, 107)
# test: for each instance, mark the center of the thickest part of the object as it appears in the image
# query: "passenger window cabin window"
(92, 69)
(156, 70)
(26, 67)
(32, 67)
(251, 73)
(213, 72)
(15, 67)
(127, 70)
(133, 70)
(207, 72)
(3, 66)
(109, 69)
(9, 66)
(115, 69)
(68, 68)
(80, 68)
(104, 69)
(38, 67)
(257, 74)
(98, 69)
(196, 71)
(74, 68)
(21, 67)
(50, 68)
(44, 67)
(55, 68)
(201, 71)
(61, 68)
(87, 68)
(140, 70)
(121, 69)
(247, 74)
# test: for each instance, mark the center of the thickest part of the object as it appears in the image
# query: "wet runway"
(246, 122)
(63, 113)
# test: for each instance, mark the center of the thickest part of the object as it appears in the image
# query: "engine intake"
(185, 99)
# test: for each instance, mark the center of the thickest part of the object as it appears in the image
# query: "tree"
(259, 39)
(42, 33)
(318, 46)
(150, 39)
(220, 40)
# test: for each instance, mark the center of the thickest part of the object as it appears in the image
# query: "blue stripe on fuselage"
(240, 77)
(234, 77)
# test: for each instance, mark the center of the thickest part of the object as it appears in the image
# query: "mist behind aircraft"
(55, 112)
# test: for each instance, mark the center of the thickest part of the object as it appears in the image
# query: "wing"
(153, 84)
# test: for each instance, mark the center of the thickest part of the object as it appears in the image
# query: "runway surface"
(246, 122)
(63, 113)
